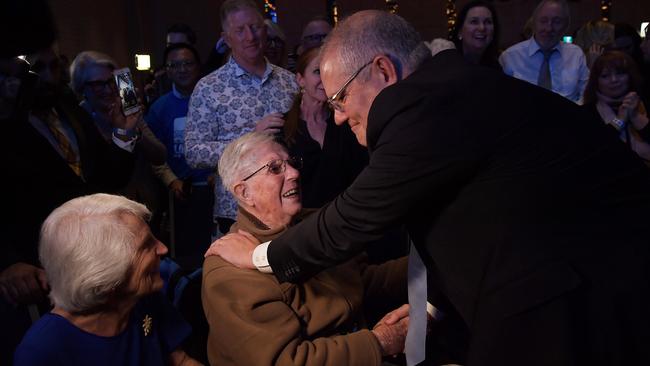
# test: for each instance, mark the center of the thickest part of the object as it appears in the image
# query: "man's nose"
(249, 35)
(340, 117)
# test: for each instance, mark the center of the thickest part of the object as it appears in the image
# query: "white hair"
(239, 158)
(87, 248)
(366, 34)
(82, 63)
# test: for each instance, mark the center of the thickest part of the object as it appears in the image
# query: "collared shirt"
(569, 71)
(227, 104)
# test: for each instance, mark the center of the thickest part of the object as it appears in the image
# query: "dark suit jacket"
(532, 218)
(39, 180)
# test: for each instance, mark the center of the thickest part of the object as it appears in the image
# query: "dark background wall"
(122, 28)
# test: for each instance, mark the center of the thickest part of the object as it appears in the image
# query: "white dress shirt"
(569, 72)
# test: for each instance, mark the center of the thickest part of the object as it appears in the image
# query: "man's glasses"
(336, 100)
(99, 85)
(180, 64)
(278, 166)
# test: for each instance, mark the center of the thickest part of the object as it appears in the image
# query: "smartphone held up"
(126, 88)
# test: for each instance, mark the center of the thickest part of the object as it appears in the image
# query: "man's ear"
(242, 193)
(224, 35)
(388, 71)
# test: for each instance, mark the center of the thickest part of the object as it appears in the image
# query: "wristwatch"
(122, 132)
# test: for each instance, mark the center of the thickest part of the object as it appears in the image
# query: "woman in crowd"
(612, 93)
(254, 320)
(476, 34)
(331, 154)
(102, 266)
(93, 81)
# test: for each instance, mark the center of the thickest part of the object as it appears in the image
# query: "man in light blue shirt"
(545, 61)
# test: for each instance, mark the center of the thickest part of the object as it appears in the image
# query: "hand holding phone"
(126, 90)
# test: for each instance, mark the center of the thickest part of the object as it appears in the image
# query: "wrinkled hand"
(23, 283)
(271, 123)
(392, 336)
(177, 188)
(236, 248)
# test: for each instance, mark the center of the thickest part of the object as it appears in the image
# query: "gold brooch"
(147, 322)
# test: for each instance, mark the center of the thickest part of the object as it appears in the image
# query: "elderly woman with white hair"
(102, 264)
(92, 79)
(254, 320)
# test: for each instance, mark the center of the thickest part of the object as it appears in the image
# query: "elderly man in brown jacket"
(254, 319)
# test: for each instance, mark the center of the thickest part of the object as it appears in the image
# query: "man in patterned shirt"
(247, 93)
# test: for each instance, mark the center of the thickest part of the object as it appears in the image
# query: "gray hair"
(366, 34)
(230, 6)
(565, 10)
(87, 249)
(239, 158)
(82, 63)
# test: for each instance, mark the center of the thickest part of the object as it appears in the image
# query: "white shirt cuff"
(125, 145)
(260, 259)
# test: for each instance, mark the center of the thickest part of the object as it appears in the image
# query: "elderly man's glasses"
(278, 166)
(336, 100)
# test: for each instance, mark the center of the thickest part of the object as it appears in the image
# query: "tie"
(64, 144)
(544, 78)
(415, 344)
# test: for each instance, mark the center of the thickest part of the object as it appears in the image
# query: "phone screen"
(126, 88)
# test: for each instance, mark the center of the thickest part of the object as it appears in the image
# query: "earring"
(460, 37)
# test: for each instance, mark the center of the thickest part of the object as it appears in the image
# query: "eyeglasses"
(99, 85)
(336, 100)
(180, 64)
(278, 166)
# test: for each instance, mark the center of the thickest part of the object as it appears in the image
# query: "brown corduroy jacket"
(254, 320)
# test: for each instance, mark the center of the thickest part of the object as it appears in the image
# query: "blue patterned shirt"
(227, 104)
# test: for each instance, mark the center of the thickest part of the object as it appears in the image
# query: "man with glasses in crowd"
(247, 93)
(529, 227)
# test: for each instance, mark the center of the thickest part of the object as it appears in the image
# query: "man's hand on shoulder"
(236, 248)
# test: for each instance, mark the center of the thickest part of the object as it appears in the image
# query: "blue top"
(166, 119)
(53, 340)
